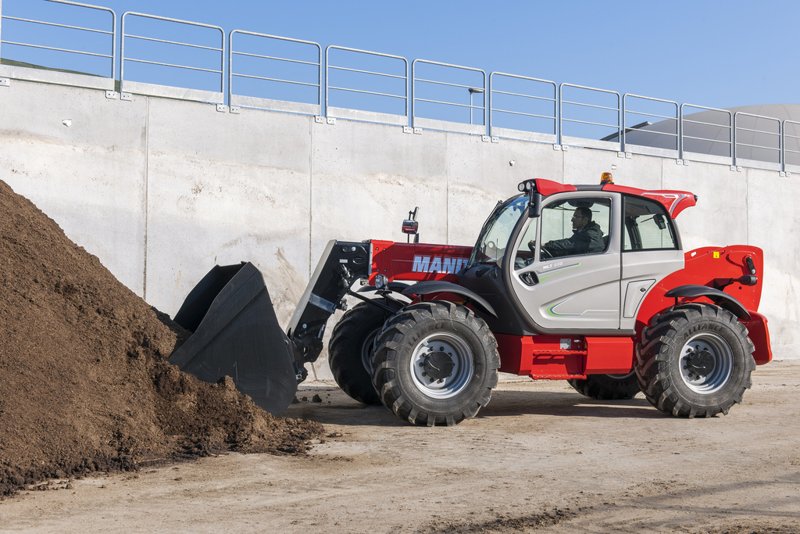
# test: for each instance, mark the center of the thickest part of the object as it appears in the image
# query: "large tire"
(694, 360)
(350, 351)
(607, 387)
(435, 364)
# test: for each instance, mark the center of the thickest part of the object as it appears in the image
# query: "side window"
(647, 226)
(527, 246)
(576, 226)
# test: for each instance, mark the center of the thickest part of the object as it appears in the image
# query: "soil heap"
(84, 381)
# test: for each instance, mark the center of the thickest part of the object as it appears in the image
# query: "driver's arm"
(558, 247)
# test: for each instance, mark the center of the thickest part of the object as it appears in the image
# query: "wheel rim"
(441, 365)
(367, 350)
(706, 363)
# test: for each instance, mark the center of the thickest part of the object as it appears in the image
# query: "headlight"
(381, 281)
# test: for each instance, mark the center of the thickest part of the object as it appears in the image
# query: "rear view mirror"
(659, 220)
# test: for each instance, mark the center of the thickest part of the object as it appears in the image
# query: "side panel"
(559, 358)
(709, 266)
(417, 261)
(609, 355)
(641, 272)
(716, 267)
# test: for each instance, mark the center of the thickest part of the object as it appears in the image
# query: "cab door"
(575, 289)
(651, 250)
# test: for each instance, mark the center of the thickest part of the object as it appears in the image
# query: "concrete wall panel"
(773, 220)
(366, 178)
(80, 158)
(224, 189)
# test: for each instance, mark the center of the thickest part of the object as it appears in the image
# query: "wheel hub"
(706, 363)
(437, 365)
(441, 365)
(700, 362)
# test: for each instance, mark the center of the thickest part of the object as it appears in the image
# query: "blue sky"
(709, 52)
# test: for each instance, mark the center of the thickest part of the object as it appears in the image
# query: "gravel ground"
(539, 457)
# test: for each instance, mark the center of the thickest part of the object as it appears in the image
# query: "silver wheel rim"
(716, 358)
(441, 365)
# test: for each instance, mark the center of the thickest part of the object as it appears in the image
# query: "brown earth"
(84, 383)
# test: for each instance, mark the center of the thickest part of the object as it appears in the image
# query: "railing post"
(489, 105)
(408, 95)
(559, 116)
(621, 120)
(1, 28)
(324, 110)
(229, 100)
(412, 81)
(734, 119)
(485, 104)
(223, 82)
(680, 133)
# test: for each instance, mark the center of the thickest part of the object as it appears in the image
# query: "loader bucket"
(235, 332)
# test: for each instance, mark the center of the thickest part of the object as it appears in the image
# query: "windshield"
(491, 245)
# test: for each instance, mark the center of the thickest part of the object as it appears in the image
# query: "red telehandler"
(611, 304)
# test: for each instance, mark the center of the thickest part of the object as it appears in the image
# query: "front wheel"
(435, 364)
(695, 360)
(350, 351)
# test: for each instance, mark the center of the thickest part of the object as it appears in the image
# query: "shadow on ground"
(337, 408)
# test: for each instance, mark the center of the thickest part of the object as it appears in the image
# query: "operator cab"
(579, 259)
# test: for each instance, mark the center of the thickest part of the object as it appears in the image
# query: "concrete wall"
(161, 190)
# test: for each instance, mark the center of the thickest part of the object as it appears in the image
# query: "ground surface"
(539, 457)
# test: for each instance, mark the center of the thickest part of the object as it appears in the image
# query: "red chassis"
(576, 356)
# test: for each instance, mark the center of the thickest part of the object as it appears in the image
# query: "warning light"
(606, 178)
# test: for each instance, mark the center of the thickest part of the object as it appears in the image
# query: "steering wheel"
(545, 254)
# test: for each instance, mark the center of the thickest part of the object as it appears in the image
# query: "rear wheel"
(435, 364)
(350, 351)
(607, 387)
(695, 361)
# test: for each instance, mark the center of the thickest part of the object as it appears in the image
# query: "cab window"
(575, 227)
(647, 226)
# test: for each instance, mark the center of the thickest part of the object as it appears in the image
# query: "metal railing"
(251, 66)
(581, 106)
(790, 156)
(346, 78)
(108, 53)
(755, 135)
(522, 106)
(228, 68)
(644, 129)
(697, 141)
(181, 48)
(448, 105)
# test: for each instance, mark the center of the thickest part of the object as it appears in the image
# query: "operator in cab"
(587, 237)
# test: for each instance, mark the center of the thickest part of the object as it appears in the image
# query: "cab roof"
(673, 201)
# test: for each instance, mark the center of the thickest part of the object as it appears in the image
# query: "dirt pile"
(84, 382)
